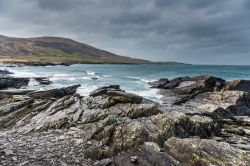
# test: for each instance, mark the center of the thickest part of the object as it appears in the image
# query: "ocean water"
(132, 78)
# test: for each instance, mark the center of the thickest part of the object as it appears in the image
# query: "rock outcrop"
(54, 93)
(43, 80)
(11, 82)
(210, 126)
(205, 152)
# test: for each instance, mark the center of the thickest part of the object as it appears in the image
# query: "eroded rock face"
(147, 154)
(239, 85)
(220, 104)
(116, 134)
(205, 152)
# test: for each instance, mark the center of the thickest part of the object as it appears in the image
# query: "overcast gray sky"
(191, 31)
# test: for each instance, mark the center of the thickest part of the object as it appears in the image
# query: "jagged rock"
(221, 104)
(147, 154)
(236, 131)
(10, 82)
(123, 97)
(205, 152)
(103, 90)
(64, 112)
(117, 134)
(5, 72)
(182, 89)
(160, 83)
(54, 93)
(132, 111)
(239, 85)
(112, 121)
(16, 92)
(104, 162)
(43, 80)
(99, 102)
(174, 82)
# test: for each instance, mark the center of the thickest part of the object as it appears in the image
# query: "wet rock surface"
(201, 122)
(11, 82)
(8, 81)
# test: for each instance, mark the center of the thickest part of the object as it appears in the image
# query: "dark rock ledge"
(204, 121)
(7, 81)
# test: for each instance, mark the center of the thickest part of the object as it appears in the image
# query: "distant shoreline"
(30, 63)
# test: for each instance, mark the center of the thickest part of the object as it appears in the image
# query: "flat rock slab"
(54, 93)
(123, 97)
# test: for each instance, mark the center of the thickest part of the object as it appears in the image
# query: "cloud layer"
(191, 31)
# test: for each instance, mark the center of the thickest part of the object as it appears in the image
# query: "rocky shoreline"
(203, 120)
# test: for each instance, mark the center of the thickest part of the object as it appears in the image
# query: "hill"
(43, 50)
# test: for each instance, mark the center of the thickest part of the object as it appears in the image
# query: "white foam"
(60, 75)
(84, 90)
(90, 73)
(106, 75)
(134, 78)
(23, 74)
(33, 82)
(147, 81)
(151, 94)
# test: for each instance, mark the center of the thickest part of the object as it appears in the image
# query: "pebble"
(134, 159)
(89, 143)
(61, 137)
(14, 158)
(8, 152)
(79, 141)
(104, 162)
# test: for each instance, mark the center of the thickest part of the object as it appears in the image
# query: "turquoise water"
(132, 78)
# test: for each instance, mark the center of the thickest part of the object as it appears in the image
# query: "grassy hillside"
(56, 50)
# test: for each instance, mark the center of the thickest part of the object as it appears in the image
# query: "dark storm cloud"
(192, 31)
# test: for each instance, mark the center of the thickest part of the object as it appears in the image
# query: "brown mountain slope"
(56, 49)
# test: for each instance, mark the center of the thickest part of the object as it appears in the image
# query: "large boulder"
(148, 154)
(239, 85)
(160, 83)
(5, 72)
(200, 84)
(43, 80)
(123, 97)
(205, 152)
(182, 89)
(103, 90)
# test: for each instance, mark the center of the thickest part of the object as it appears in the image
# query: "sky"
(189, 31)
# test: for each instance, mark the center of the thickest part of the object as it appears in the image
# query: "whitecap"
(106, 75)
(84, 90)
(33, 82)
(132, 77)
(23, 74)
(151, 94)
(61, 75)
(91, 73)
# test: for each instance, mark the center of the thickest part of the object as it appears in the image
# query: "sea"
(131, 78)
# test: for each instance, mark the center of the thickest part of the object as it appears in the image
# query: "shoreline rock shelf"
(204, 121)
